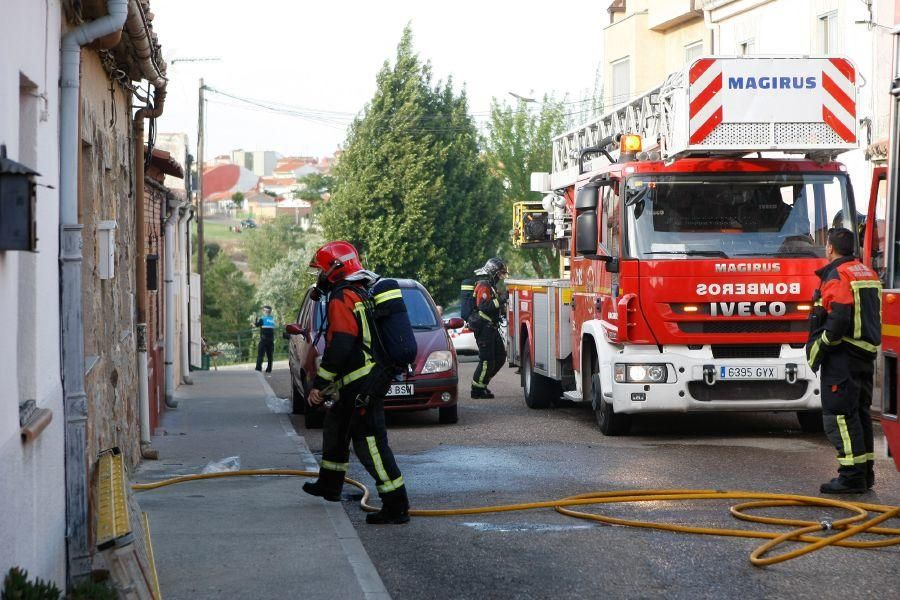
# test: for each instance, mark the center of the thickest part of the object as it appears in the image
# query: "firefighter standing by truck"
(349, 370)
(845, 332)
(485, 320)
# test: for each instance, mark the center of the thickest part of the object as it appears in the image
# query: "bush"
(17, 587)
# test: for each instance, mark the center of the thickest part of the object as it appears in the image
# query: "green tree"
(269, 243)
(237, 200)
(228, 301)
(314, 186)
(518, 143)
(412, 190)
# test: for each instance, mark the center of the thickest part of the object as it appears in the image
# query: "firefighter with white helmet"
(485, 322)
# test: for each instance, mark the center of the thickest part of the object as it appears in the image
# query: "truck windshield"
(702, 215)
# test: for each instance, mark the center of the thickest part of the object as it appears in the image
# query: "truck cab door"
(593, 257)
(874, 228)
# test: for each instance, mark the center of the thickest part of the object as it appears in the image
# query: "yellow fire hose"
(858, 522)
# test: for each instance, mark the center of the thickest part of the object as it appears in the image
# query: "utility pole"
(201, 250)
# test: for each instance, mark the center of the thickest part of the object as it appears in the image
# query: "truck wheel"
(610, 422)
(540, 391)
(298, 402)
(314, 419)
(448, 415)
(810, 421)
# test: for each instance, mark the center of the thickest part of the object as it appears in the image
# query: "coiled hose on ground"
(858, 522)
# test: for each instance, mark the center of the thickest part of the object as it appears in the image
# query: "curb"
(366, 575)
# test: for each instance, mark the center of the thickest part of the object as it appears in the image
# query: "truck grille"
(734, 326)
(773, 351)
(747, 390)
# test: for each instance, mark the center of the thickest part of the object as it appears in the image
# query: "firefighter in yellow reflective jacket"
(485, 320)
(845, 332)
(348, 369)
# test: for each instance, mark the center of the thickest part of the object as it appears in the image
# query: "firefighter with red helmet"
(348, 370)
(845, 332)
(485, 322)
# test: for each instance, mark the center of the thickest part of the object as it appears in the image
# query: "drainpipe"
(169, 278)
(184, 234)
(154, 72)
(713, 29)
(70, 257)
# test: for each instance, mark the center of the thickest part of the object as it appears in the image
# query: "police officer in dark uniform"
(485, 322)
(349, 372)
(266, 324)
(845, 332)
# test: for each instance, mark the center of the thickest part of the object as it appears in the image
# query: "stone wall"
(107, 194)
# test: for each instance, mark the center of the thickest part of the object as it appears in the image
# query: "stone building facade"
(106, 193)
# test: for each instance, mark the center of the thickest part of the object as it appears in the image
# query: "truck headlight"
(438, 362)
(640, 373)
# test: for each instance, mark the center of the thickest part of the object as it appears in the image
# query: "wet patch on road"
(527, 527)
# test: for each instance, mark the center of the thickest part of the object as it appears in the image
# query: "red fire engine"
(881, 250)
(688, 266)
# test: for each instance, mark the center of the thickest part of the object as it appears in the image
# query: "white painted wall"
(32, 480)
(264, 161)
(790, 27)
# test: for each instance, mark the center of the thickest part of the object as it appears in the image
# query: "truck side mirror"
(588, 198)
(586, 233)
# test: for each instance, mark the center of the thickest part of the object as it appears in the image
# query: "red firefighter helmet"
(336, 260)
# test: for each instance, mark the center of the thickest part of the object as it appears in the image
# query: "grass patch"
(218, 232)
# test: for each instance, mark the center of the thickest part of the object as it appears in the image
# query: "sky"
(320, 60)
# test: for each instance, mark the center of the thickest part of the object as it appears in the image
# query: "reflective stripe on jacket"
(487, 302)
(847, 311)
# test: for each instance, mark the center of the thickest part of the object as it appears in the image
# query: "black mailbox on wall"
(18, 230)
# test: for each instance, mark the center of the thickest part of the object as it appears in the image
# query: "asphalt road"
(502, 452)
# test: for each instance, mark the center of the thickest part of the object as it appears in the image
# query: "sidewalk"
(246, 537)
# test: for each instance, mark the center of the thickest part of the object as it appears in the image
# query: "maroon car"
(434, 377)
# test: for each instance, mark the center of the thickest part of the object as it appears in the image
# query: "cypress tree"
(412, 189)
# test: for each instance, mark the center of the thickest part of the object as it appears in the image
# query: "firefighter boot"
(843, 485)
(327, 486)
(478, 392)
(394, 509)
(870, 474)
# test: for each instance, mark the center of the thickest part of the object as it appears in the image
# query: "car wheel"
(540, 391)
(298, 401)
(611, 423)
(810, 421)
(448, 415)
(314, 419)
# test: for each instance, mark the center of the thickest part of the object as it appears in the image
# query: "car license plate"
(400, 389)
(749, 372)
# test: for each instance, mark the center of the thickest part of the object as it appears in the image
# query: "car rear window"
(421, 312)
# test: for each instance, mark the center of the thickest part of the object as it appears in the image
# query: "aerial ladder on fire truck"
(648, 115)
(657, 119)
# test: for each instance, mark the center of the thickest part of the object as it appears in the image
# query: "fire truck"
(881, 238)
(688, 258)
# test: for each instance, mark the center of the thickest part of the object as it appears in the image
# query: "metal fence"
(240, 346)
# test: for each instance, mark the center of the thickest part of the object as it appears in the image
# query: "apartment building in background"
(645, 40)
